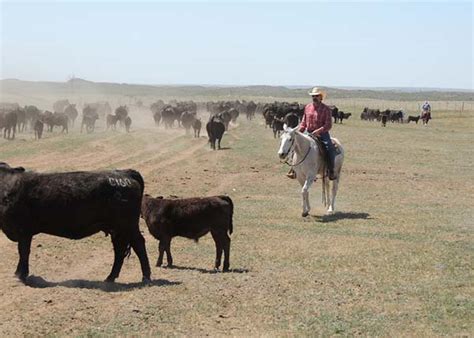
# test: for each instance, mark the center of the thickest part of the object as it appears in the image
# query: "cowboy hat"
(316, 91)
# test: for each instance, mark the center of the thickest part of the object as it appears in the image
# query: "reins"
(304, 158)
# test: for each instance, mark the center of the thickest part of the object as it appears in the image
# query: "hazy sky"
(424, 44)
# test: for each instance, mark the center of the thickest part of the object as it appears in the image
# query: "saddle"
(321, 148)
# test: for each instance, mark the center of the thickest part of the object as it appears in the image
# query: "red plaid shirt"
(316, 117)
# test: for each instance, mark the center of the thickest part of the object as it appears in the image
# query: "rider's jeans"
(326, 140)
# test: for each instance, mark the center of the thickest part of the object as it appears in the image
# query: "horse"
(308, 162)
(425, 117)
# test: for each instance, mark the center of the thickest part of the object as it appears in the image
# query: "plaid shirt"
(316, 117)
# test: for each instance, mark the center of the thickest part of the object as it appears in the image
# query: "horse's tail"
(325, 191)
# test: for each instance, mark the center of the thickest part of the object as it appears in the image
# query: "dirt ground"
(396, 259)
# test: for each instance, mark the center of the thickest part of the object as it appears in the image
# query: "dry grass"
(395, 260)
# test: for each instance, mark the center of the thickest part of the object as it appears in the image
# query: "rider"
(317, 121)
(426, 108)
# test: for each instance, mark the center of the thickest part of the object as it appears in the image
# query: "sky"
(361, 44)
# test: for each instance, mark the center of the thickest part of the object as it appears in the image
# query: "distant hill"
(76, 86)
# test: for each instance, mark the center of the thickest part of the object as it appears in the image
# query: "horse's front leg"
(308, 181)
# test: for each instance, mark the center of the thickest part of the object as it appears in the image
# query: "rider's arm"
(326, 112)
(303, 126)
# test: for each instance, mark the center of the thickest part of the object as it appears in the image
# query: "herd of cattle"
(383, 116)
(14, 118)
(174, 114)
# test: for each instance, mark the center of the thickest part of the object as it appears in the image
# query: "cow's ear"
(19, 169)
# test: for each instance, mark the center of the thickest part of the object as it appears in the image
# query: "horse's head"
(287, 141)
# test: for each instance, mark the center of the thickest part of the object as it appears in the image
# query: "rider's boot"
(291, 174)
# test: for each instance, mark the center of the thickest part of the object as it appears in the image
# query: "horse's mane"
(307, 137)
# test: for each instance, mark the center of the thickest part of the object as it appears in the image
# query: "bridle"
(289, 151)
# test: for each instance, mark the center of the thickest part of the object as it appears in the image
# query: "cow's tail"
(229, 200)
(138, 177)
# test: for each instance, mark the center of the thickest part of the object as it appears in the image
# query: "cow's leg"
(169, 258)
(138, 245)
(226, 252)
(24, 246)
(120, 251)
(219, 143)
(219, 248)
(161, 251)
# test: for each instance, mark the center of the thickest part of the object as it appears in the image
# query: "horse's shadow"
(224, 148)
(201, 270)
(40, 283)
(339, 216)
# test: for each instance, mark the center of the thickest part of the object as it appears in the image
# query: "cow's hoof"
(158, 264)
(146, 280)
(305, 214)
(22, 278)
(109, 280)
(226, 269)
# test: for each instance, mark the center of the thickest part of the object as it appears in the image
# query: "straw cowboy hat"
(316, 91)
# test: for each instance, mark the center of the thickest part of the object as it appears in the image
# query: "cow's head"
(6, 169)
(147, 202)
(287, 141)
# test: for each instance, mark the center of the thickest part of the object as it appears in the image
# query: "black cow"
(56, 119)
(168, 116)
(215, 129)
(343, 116)
(384, 118)
(413, 118)
(111, 121)
(191, 218)
(73, 205)
(128, 123)
(334, 112)
(38, 127)
(71, 113)
(89, 116)
(197, 127)
(292, 120)
(187, 119)
(157, 117)
(8, 122)
(277, 126)
(225, 117)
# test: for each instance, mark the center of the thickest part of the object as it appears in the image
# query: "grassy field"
(396, 258)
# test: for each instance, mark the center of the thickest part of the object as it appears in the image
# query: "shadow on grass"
(225, 148)
(176, 267)
(341, 215)
(41, 283)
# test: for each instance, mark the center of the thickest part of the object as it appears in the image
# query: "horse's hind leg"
(332, 197)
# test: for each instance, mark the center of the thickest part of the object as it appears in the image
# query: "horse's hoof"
(304, 214)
